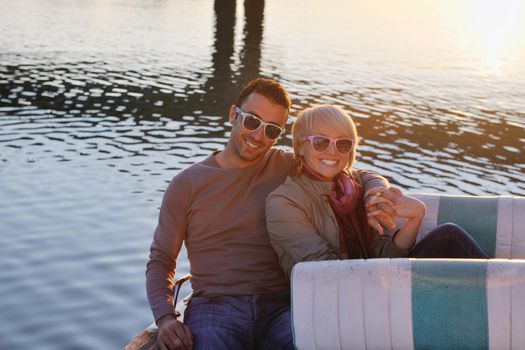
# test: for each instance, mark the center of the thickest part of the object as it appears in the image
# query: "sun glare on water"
(495, 28)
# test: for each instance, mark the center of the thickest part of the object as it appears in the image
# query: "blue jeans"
(257, 321)
(448, 241)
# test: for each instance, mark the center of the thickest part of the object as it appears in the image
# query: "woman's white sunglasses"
(322, 143)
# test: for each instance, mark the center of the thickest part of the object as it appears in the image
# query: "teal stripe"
(477, 216)
(449, 307)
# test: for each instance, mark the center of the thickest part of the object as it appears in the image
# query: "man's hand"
(173, 335)
(409, 207)
(385, 204)
(379, 204)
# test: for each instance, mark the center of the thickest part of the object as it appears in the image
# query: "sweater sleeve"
(292, 234)
(382, 245)
(164, 251)
(370, 179)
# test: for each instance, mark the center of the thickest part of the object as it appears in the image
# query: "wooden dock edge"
(145, 340)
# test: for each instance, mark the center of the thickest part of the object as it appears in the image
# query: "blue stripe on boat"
(479, 217)
(449, 306)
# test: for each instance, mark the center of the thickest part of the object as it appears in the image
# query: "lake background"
(102, 102)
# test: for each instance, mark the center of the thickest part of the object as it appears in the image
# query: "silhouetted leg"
(448, 241)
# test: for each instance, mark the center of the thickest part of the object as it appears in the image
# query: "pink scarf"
(346, 200)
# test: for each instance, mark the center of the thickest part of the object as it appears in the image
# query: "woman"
(318, 213)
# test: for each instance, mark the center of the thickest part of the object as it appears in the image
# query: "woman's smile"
(329, 163)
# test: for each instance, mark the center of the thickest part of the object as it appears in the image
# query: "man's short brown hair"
(268, 88)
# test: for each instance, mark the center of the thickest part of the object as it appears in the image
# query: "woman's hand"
(386, 204)
(409, 208)
(379, 210)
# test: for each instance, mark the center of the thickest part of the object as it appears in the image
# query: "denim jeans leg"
(448, 241)
(274, 325)
(220, 323)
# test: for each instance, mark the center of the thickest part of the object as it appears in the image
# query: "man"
(216, 207)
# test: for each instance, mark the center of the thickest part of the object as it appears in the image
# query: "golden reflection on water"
(496, 27)
(487, 35)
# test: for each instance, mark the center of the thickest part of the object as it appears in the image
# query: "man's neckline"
(261, 160)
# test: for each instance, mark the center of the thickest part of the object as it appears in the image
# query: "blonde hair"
(309, 120)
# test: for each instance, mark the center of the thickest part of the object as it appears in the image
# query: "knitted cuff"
(162, 311)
